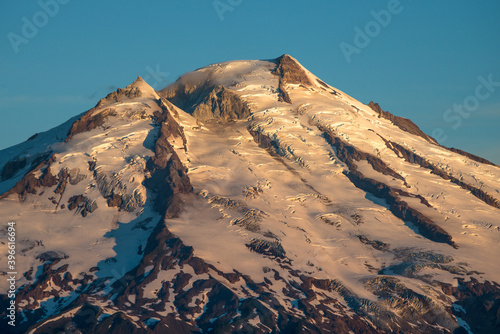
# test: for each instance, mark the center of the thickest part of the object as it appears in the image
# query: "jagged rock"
(291, 72)
(378, 245)
(30, 183)
(168, 176)
(250, 221)
(115, 191)
(480, 303)
(403, 123)
(115, 200)
(166, 117)
(82, 204)
(208, 103)
(93, 119)
(89, 121)
(470, 155)
(283, 95)
(270, 248)
(417, 159)
(227, 203)
(252, 192)
(221, 105)
(51, 256)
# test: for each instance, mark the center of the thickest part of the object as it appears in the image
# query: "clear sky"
(435, 62)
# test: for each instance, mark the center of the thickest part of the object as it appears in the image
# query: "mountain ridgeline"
(248, 197)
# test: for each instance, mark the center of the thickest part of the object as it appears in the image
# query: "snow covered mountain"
(247, 197)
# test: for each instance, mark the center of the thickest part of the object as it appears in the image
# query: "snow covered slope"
(249, 196)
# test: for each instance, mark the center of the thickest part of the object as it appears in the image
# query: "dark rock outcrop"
(89, 120)
(206, 100)
(291, 72)
(266, 247)
(51, 256)
(168, 175)
(168, 111)
(397, 205)
(414, 158)
(392, 295)
(30, 183)
(283, 95)
(377, 244)
(82, 204)
(403, 123)
(469, 155)
(115, 192)
(479, 304)
(221, 105)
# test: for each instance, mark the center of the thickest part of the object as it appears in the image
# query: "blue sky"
(429, 63)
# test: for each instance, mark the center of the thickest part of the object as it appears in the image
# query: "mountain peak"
(145, 89)
(292, 72)
(137, 89)
(250, 197)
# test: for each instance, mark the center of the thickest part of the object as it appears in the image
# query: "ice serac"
(249, 197)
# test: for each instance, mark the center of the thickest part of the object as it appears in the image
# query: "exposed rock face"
(479, 303)
(403, 123)
(82, 204)
(270, 248)
(114, 190)
(225, 311)
(52, 256)
(221, 105)
(470, 156)
(283, 95)
(13, 167)
(416, 159)
(397, 205)
(291, 72)
(207, 102)
(377, 244)
(91, 120)
(397, 296)
(408, 126)
(166, 116)
(30, 183)
(168, 174)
